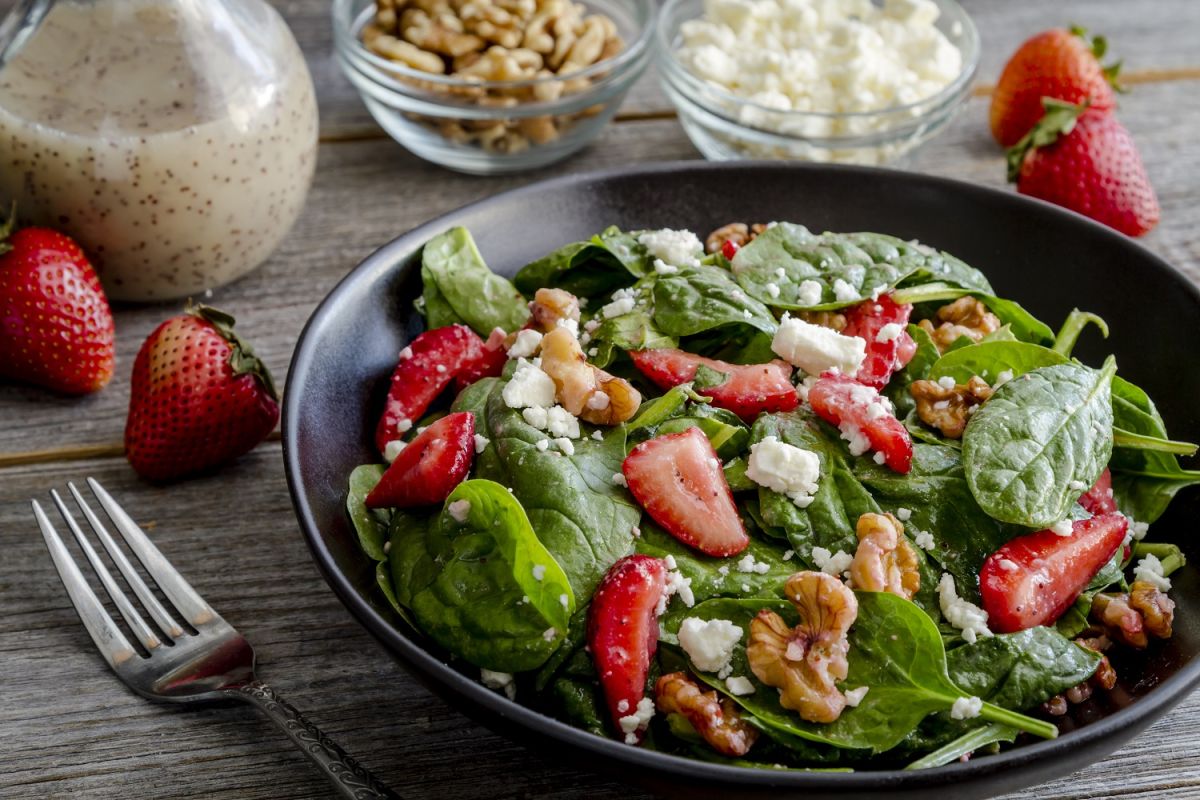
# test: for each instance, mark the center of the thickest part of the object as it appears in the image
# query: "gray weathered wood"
(71, 730)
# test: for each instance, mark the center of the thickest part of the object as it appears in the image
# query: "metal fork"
(211, 661)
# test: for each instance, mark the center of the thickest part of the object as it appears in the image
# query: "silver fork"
(214, 663)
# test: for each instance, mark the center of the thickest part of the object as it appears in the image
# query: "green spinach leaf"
(989, 359)
(633, 331)
(458, 286)
(1028, 449)
(599, 266)
(1074, 324)
(1021, 323)
(1021, 670)
(370, 524)
(974, 739)
(699, 299)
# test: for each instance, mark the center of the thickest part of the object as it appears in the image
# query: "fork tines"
(104, 630)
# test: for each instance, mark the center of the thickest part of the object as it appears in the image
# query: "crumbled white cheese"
(966, 616)
(570, 323)
(709, 643)
(529, 387)
(539, 571)
(623, 301)
(623, 706)
(404, 425)
(1150, 570)
(663, 268)
(1077, 486)
(1003, 378)
(924, 540)
(526, 344)
(966, 708)
(678, 248)
(550, 634)
(618, 479)
(773, 289)
(1062, 528)
(739, 685)
(598, 436)
(785, 468)
(677, 584)
(1137, 530)
(879, 458)
(599, 401)
(815, 348)
(555, 420)
(481, 443)
(809, 293)
(500, 681)
(855, 696)
(844, 292)
(903, 514)
(543, 445)
(440, 368)
(565, 445)
(749, 564)
(788, 555)
(639, 720)
(889, 332)
(393, 449)
(831, 563)
(946, 382)
(459, 510)
(406, 354)
(856, 440)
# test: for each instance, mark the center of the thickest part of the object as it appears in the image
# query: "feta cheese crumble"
(967, 617)
(1150, 570)
(529, 387)
(1003, 378)
(773, 289)
(555, 420)
(1062, 528)
(946, 382)
(966, 708)
(539, 571)
(785, 468)
(459, 510)
(639, 720)
(499, 681)
(677, 584)
(831, 563)
(481, 443)
(815, 349)
(404, 425)
(663, 268)
(889, 333)
(1137, 530)
(809, 293)
(844, 292)
(709, 643)
(618, 479)
(677, 248)
(739, 685)
(855, 696)
(623, 301)
(527, 343)
(749, 564)
(924, 540)
(393, 449)
(565, 445)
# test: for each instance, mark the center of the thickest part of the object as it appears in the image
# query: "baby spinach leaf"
(1020, 322)
(895, 649)
(773, 266)
(632, 331)
(735, 476)
(989, 359)
(974, 739)
(1036, 438)
(456, 278)
(599, 266)
(1074, 324)
(383, 579)
(727, 433)
(699, 299)
(1021, 670)
(581, 705)
(370, 524)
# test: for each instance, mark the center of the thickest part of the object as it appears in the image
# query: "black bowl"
(1049, 259)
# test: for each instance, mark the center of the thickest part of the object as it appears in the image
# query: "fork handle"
(351, 779)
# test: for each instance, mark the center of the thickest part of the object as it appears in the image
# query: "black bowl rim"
(1131, 718)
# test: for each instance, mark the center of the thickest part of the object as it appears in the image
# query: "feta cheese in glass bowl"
(850, 81)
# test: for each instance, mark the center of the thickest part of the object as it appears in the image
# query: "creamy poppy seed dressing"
(178, 158)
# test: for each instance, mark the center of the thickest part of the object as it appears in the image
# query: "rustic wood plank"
(363, 197)
(72, 729)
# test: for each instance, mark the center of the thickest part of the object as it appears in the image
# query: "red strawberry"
(56, 329)
(489, 363)
(864, 417)
(200, 397)
(1060, 64)
(866, 321)
(679, 481)
(1085, 160)
(623, 635)
(749, 390)
(729, 249)
(1034, 578)
(430, 466)
(425, 369)
(1099, 498)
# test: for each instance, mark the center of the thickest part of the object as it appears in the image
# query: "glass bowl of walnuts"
(493, 86)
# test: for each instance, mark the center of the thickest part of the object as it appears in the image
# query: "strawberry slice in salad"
(1099, 498)
(678, 480)
(430, 466)
(1033, 579)
(426, 367)
(488, 363)
(748, 390)
(882, 324)
(622, 638)
(865, 419)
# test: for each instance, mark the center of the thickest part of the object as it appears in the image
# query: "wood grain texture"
(70, 729)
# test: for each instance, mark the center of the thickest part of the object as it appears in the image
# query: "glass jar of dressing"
(175, 140)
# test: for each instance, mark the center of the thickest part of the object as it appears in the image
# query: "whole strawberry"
(56, 329)
(1085, 160)
(200, 397)
(1060, 64)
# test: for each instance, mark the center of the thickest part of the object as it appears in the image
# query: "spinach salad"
(779, 499)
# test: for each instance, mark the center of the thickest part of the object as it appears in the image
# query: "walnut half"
(966, 316)
(737, 232)
(551, 306)
(806, 662)
(718, 721)
(583, 389)
(1134, 617)
(884, 561)
(949, 408)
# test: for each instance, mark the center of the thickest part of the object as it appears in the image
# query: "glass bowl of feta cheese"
(855, 81)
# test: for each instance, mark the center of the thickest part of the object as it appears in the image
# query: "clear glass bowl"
(726, 127)
(441, 118)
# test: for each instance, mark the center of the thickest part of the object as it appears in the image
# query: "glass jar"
(175, 140)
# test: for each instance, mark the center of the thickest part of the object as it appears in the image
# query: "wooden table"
(69, 728)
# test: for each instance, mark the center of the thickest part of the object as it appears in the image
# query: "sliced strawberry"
(749, 390)
(679, 481)
(489, 363)
(623, 635)
(729, 249)
(430, 466)
(864, 418)
(425, 369)
(867, 321)
(1034, 578)
(1099, 498)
